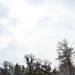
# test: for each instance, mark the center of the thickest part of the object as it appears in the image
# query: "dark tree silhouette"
(17, 69)
(35, 67)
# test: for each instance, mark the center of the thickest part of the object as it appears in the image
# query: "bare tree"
(30, 63)
(8, 67)
(65, 53)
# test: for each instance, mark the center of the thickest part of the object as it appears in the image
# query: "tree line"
(36, 66)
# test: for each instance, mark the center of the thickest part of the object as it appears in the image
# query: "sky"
(35, 26)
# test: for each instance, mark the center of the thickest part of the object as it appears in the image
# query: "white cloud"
(23, 25)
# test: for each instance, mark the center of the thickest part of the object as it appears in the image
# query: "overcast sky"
(35, 26)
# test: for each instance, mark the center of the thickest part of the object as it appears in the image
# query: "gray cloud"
(12, 46)
(15, 20)
(35, 2)
(2, 30)
(70, 4)
(4, 11)
(44, 21)
(12, 52)
(66, 25)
